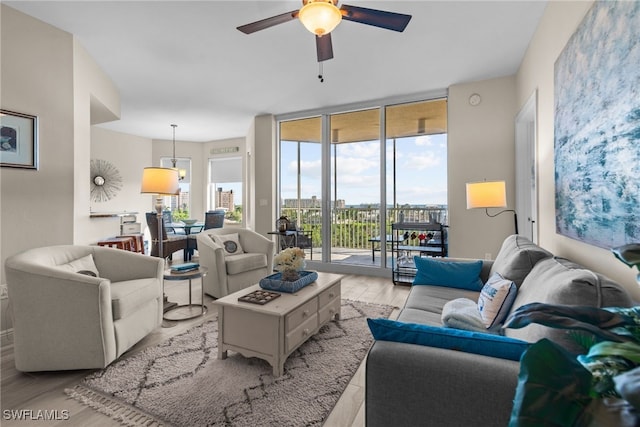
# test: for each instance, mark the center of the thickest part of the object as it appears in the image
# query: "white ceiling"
(184, 62)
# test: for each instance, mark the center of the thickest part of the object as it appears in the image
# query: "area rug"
(182, 383)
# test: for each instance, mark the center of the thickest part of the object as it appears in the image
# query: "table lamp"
(489, 194)
(161, 182)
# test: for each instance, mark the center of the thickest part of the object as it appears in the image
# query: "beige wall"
(264, 165)
(480, 146)
(46, 74)
(37, 78)
(129, 154)
(559, 22)
(93, 91)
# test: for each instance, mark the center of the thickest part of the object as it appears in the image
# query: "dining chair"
(171, 242)
(213, 219)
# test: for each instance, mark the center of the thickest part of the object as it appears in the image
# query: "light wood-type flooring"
(45, 391)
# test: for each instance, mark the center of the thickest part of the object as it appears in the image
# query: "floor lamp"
(489, 194)
(161, 182)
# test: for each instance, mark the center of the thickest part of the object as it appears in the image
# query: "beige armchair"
(230, 273)
(64, 318)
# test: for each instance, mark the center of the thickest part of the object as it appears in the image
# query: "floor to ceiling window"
(355, 184)
(300, 176)
(336, 175)
(416, 185)
(226, 187)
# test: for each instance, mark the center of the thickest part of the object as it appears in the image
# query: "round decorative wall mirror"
(105, 180)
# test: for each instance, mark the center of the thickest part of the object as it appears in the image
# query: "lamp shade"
(320, 16)
(486, 194)
(160, 181)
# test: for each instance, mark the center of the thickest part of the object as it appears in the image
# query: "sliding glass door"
(355, 186)
(301, 179)
(416, 144)
(348, 175)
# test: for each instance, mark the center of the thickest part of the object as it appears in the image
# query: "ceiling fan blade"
(377, 18)
(324, 47)
(268, 22)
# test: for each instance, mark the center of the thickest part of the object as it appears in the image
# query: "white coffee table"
(274, 330)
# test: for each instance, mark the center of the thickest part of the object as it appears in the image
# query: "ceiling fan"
(322, 16)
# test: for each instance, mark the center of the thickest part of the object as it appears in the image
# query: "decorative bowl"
(189, 221)
(274, 282)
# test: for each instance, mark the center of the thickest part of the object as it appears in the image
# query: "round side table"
(191, 310)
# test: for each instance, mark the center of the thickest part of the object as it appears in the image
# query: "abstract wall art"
(597, 128)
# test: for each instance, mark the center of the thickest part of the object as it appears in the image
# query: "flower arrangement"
(289, 262)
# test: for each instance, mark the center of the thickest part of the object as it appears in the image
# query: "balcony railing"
(353, 227)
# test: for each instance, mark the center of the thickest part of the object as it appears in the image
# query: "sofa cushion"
(448, 338)
(516, 258)
(559, 281)
(229, 242)
(496, 299)
(245, 262)
(129, 295)
(429, 300)
(454, 274)
(84, 265)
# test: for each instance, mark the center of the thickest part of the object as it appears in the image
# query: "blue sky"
(421, 171)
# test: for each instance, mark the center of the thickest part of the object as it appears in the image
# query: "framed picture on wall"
(18, 140)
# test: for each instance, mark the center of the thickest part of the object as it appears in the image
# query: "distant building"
(181, 201)
(224, 199)
(311, 203)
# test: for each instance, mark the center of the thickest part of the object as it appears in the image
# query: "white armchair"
(231, 273)
(64, 318)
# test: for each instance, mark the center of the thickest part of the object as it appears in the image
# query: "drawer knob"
(331, 295)
(305, 332)
(332, 310)
(305, 313)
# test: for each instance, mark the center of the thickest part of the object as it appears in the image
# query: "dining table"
(189, 229)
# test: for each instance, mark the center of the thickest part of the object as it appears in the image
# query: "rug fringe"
(114, 409)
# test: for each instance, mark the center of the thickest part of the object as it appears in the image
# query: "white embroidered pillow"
(496, 299)
(230, 243)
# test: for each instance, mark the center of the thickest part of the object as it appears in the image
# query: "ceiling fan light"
(320, 16)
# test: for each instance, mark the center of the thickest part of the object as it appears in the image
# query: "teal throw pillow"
(448, 338)
(454, 274)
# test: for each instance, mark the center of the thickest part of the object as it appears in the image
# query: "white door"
(526, 194)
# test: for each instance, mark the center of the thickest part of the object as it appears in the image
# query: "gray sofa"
(410, 384)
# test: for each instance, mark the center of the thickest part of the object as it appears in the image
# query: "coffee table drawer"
(250, 330)
(301, 333)
(301, 314)
(328, 295)
(329, 311)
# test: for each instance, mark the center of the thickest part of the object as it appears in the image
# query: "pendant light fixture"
(182, 173)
